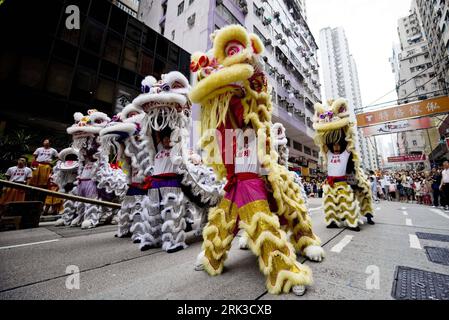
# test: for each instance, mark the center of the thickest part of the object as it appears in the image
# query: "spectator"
(19, 174)
(43, 158)
(436, 182)
(444, 186)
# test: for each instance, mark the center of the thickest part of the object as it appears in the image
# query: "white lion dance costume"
(347, 193)
(261, 194)
(65, 173)
(132, 153)
(96, 178)
(179, 187)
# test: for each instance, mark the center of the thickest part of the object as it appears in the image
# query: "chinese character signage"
(406, 111)
(408, 158)
(399, 126)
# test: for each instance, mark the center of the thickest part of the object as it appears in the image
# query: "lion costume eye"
(233, 48)
(145, 89)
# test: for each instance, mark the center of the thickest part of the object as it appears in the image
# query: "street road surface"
(33, 263)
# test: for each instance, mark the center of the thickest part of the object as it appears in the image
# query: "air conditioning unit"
(278, 36)
(276, 14)
(245, 10)
(264, 58)
(191, 20)
(260, 11)
(282, 76)
(266, 21)
(218, 2)
(283, 42)
(267, 42)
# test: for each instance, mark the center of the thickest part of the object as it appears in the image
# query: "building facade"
(290, 58)
(49, 71)
(416, 78)
(341, 80)
(434, 16)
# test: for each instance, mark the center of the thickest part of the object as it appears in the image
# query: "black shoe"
(370, 218)
(175, 249)
(136, 241)
(333, 225)
(147, 247)
(356, 229)
(189, 226)
(127, 235)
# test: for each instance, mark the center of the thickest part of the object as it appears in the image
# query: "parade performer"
(134, 155)
(235, 99)
(41, 165)
(65, 176)
(347, 193)
(96, 178)
(19, 174)
(180, 188)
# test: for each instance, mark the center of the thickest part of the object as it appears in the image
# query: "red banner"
(408, 158)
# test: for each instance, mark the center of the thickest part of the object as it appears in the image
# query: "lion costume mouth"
(163, 102)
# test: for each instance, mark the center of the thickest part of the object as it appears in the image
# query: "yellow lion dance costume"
(233, 92)
(347, 193)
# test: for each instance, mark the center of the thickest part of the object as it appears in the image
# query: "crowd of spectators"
(412, 186)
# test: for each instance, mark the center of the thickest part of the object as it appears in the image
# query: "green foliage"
(14, 145)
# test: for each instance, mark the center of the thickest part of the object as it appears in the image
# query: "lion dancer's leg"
(218, 235)
(124, 220)
(149, 222)
(91, 213)
(69, 212)
(363, 195)
(173, 215)
(267, 240)
(340, 206)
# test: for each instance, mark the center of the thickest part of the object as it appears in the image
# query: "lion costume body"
(347, 195)
(169, 189)
(235, 99)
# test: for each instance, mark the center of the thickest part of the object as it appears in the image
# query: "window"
(31, 71)
(181, 8)
(226, 14)
(307, 151)
(173, 35)
(146, 64)
(94, 35)
(130, 57)
(105, 91)
(191, 20)
(297, 145)
(415, 143)
(112, 48)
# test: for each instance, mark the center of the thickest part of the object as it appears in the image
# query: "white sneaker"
(299, 290)
(199, 266)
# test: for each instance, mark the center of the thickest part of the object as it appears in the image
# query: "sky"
(371, 29)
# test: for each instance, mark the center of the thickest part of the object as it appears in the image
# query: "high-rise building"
(290, 58)
(49, 71)
(341, 80)
(416, 79)
(416, 76)
(129, 6)
(434, 15)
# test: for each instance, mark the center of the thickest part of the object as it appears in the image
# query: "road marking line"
(378, 208)
(440, 213)
(414, 241)
(316, 209)
(28, 244)
(343, 243)
(405, 213)
(403, 208)
(408, 222)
